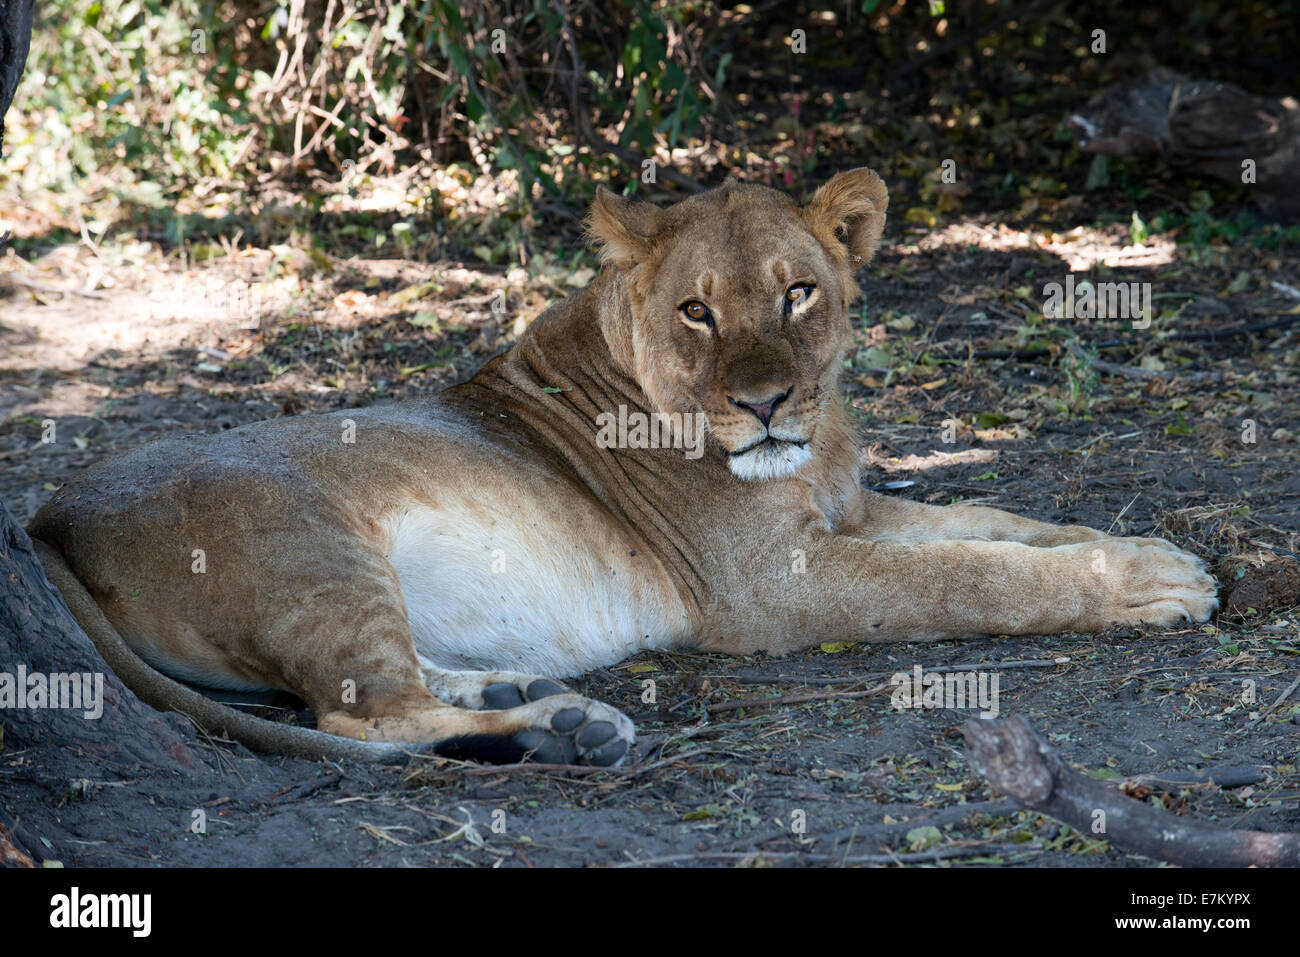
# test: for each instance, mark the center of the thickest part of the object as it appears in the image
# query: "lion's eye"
(797, 295)
(697, 311)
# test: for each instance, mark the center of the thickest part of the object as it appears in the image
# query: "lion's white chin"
(771, 460)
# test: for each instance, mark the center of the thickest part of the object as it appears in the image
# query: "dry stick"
(1134, 372)
(1123, 511)
(1274, 706)
(795, 699)
(1227, 777)
(1018, 762)
(1214, 334)
(1001, 665)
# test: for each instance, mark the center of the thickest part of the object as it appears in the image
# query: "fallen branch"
(1018, 762)
(12, 852)
(1136, 372)
(1213, 128)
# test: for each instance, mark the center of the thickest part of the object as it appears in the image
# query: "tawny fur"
(486, 528)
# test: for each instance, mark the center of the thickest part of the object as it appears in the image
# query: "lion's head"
(739, 306)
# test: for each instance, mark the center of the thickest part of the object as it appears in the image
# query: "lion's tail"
(161, 692)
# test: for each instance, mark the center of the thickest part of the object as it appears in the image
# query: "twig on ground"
(576, 770)
(1134, 372)
(1274, 706)
(308, 788)
(1227, 777)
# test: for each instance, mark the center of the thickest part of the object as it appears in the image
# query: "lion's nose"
(762, 410)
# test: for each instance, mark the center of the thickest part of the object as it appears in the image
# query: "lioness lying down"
(419, 573)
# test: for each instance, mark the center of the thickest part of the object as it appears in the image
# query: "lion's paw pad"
(567, 720)
(580, 732)
(508, 694)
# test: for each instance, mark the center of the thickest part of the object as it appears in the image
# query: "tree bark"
(15, 37)
(39, 638)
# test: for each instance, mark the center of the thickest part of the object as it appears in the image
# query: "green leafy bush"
(162, 95)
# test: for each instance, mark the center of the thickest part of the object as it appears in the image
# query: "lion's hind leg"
(341, 640)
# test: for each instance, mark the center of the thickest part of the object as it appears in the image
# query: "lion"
(422, 573)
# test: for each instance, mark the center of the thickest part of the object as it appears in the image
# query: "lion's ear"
(624, 229)
(848, 215)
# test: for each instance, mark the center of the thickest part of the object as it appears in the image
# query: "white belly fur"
(488, 589)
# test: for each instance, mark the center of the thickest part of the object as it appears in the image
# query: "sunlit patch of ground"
(1080, 249)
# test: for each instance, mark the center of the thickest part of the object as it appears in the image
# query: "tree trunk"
(15, 36)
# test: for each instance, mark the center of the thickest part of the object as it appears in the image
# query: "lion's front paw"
(570, 729)
(1145, 581)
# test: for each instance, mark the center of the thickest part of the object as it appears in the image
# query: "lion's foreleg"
(848, 589)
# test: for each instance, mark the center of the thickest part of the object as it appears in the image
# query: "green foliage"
(1081, 380)
(663, 99)
(1200, 228)
(119, 83)
(162, 95)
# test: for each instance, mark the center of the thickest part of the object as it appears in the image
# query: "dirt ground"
(1188, 429)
